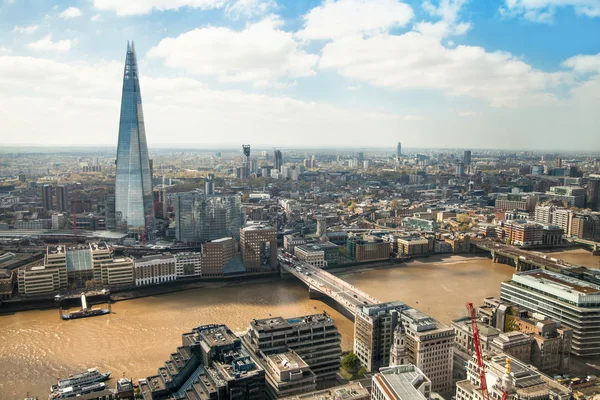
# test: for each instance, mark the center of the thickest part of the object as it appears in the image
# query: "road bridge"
(522, 260)
(322, 283)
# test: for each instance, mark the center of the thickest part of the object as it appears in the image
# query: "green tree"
(350, 362)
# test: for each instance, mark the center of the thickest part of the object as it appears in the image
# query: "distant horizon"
(11, 148)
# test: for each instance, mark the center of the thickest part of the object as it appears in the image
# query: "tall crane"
(480, 363)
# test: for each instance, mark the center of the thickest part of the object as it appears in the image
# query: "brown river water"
(36, 347)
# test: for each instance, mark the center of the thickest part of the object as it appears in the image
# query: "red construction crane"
(480, 363)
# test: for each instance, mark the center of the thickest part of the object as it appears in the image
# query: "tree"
(395, 204)
(350, 362)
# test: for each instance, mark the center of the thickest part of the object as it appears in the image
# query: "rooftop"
(279, 322)
(349, 391)
(403, 380)
(562, 281)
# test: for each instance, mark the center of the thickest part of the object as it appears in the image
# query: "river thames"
(36, 347)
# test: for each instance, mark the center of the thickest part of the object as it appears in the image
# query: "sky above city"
(507, 74)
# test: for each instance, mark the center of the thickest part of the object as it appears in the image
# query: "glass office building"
(133, 188)
(200, 217)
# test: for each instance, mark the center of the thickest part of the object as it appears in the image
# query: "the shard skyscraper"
(133, 188)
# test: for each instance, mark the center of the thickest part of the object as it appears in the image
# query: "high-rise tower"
(399, 151)
(133, 189)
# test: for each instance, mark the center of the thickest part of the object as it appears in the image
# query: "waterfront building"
(311, 254)
(210, 364)
(314, 338)
(258, 245)
(586, 226)
(100, 253)
(368, 248)
(216, 255)
(117, 272)
(563, 219)
(568, 300)
(154, 269)
(200, 218)
(519, 232)
(412, 247)
(401, 382)
(38, 280)
(133, 186)
(350, 391)
(515, 377)
(188, 264)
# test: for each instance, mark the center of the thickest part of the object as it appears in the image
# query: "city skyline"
(455, 73)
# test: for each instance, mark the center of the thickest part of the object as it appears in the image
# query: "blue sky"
(512, 74)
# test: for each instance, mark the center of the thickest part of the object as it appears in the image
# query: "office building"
(62, 202)
(290, 242)
(519, 232)
(350, 391)
(429, 346)
(401, 382)
(258, 245)
(392, 333)
(216, 254)
(278, 158)
(47, 197)
(412, 247)
(467, 158)
(287, 374)
(117, 272)
(460, 169)
(563, 219)
(311, 254)
(110, 213)
(209, 364)
(367, 248)
(188, 264)
(586, 226)
(374, 327)
(154, 269)
(516, 201)
(133, 187)
(518, 379)
(572, 196)
(543, 214)
(209, 184)
(200, 217)
(568, 300)
(314, 338)
(398, 151)
(160, 202)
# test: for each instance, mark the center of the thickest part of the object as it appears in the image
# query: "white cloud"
(26, 29)
(583, 63)
(413, 60)
(467, 114)
(335, 19)
(261, 53)
(449, 24)
(543, 11)
(5, 50)
(412, 117)
(76, 98)
(47, 44)
(71, 12)
(96, 18)
(250, 8)
(137, 7)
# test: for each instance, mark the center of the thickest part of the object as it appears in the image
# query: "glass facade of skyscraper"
(200, 217)
(133, 189)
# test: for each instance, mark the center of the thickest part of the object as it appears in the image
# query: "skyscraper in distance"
(278, 160)
(133, 188)
(467, 157)
(399, 151)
